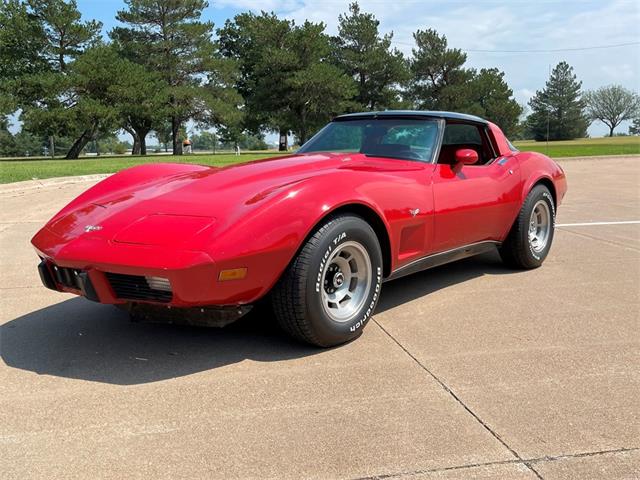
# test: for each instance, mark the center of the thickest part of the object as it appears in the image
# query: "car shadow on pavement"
(423, 283)
(83, 340)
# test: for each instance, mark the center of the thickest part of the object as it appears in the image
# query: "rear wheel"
(529, 240)
(329, 291)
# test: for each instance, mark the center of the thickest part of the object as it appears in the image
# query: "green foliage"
(438, 76)
(21, 44)
(489, 96)
(377, 70)
(287, 80)
(634, 128)
(79, 102)
(558, 107)
(66, 35)
(612, 105)
(168, 37)
(440, 82)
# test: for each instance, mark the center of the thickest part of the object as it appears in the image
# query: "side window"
(459, 133)
(465, 135)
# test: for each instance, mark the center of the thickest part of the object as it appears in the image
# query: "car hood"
(171, 210)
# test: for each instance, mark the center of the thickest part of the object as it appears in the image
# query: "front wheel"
(529, 241)
(329, 291)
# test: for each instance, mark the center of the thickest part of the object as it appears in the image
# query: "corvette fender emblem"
(92, 228)
(414, 212)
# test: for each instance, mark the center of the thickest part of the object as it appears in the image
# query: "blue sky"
(488, 25)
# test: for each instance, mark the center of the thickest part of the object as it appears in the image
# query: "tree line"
(164, 66)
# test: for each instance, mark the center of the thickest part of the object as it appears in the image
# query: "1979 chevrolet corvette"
(371, 197)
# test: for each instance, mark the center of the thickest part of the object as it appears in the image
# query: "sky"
(523, 38)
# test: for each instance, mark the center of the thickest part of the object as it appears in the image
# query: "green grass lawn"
(584, 147)
(18, 170)
(22, 169)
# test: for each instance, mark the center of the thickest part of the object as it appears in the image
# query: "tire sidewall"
(325, 329)
(538, 193)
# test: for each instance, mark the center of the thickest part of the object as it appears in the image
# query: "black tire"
(298, 299)
(517, 251)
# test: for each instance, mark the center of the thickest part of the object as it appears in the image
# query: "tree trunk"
(52, 146)
(80, 143)
(143, 142)
(611, 131)
(135, 150)
(283, 144)
(175, 131)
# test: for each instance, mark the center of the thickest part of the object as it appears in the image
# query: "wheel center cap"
(338, 280)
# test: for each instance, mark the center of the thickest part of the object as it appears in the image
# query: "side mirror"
(466, 156)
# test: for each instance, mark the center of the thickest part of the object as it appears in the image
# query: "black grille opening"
(135, 287)
(68, 277)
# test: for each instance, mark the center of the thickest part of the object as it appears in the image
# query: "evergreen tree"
(489, 96)
(438, 76)
(287, 80)
(22, 42)
(169, 38)
(364, 55)
(67, 36)
(559, 107)
(42, 92)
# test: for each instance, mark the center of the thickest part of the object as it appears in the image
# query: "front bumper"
(116, 273)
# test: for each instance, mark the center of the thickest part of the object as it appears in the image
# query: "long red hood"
(185, 204)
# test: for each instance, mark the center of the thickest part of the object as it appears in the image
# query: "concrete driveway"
(467, 371)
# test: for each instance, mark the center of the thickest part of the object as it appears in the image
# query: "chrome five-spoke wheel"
(346, 281)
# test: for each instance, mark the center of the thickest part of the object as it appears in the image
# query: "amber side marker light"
(233, 274)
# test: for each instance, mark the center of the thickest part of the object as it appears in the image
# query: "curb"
(27, 185)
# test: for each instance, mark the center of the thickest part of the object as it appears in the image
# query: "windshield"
(407, 139)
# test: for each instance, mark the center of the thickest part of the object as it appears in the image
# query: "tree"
(634, 128)
(558, 109)
(438, 77)
(259, 46)
(66, 35)
(489, 96)
(60, 37)
(80, 103)
(169, 38)
(368, 58)
(287, 80)
(141, 98)
(22, 42)
(316, 90)
(612, 105)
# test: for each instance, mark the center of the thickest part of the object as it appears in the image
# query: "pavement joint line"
(21, 222)
(603, 240)
(464, 405)
(588, 224)
(383, 476)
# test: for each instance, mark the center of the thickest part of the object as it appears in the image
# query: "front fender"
(267, 237)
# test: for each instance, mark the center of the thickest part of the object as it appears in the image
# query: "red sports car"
(371, 197)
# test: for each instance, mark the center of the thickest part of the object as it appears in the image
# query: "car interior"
(468, 136)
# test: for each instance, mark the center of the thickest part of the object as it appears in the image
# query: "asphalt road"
(467, 371)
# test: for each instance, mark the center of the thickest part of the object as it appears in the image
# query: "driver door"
(472, 203)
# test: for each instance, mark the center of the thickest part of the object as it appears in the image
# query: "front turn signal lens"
(233, 274)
